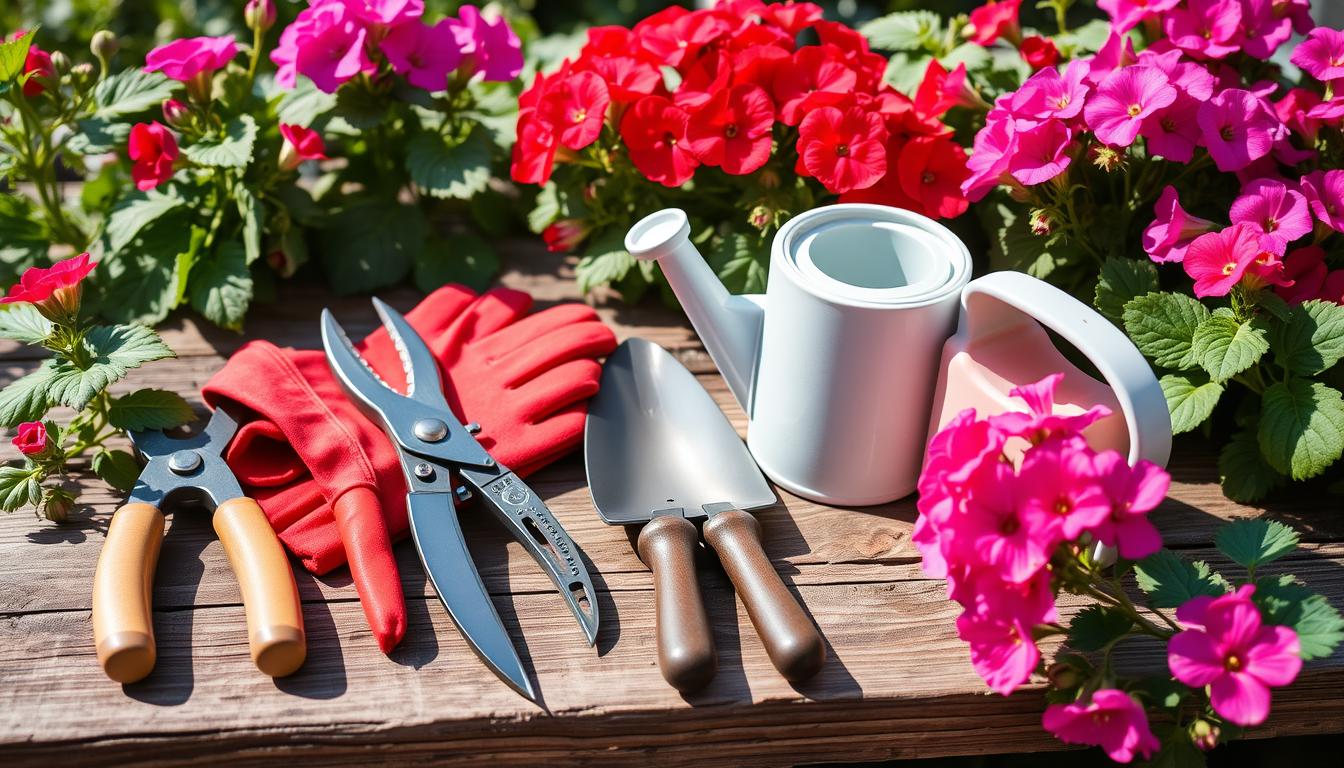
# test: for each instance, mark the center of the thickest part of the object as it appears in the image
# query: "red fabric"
(307, 450)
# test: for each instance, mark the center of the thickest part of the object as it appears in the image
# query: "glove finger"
(287, 506)
(563, 386)
(559, 434)
(494, 309)
(544, 353)
(260, 455)
(359, 517)
(535, 325)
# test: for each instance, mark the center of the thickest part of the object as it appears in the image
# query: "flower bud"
(60, 62)
(259, 15)
(1108, 159)
(103, 45)
(58, 506)
(1204, 734)
(761, 217)
(1063, 676)
(176, 114)
(1042, 222)
(32, 440)
(565, 234)
(769, 179)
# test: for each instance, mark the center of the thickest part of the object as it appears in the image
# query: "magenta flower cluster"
(991, 525)
(333, 41)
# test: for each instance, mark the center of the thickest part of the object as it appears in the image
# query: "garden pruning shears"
(191, 472)
(433, 446)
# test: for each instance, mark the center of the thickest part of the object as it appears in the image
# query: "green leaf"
(360, 108)
(444, 170)
(1191, 399)
(547, 208)
(465, 259)
(304, 104)
(1163, 326)
(1312, 340)
(130, 92)
(1162, 691)
(1177, 750)
(231, 149)
(116, 349)
(13, 54)
(1169, 580)
(1095, 627)
(220, 287)
(1254, 542)
(741, 262)
(23, 323)
(149, 409)
(118, 469)
(973, 55)
(372, 243)
(1121, 281)
(904, 31)
(605, 261)
(1226, 347)
(23, 239)
(146, 280)
(1301, 427)
(19, 487)
(250, 209)
(136, 211)
(26, 399)
(1285, 602)
(1245, 475)
(1014, 246)
(98, 136)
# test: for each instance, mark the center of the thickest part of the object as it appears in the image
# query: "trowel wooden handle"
(790, 638)
(270, 597)
(686, 653)
(123, 631)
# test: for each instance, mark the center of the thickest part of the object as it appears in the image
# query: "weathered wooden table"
(897, 682)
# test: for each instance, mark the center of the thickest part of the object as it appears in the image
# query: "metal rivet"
(424, 471)
(463, 494)
(430, 430)
(473, 428)
(185, 462)
(489, 462)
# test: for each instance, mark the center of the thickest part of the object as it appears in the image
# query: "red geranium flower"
(733, 130)
(575, 107)
(300, 144)
(930, 170)
(534, 151)
(817, 77)
(153, 150)
(870, 67)
(615, 56)
(900, 115)
(758, 36)
(654, 130)
(55, 291)
(941, 90)
(887, 190)
(32, 438)
(760, 65)
(993, 20)
(842, 149)
(38, 65)
(1039, 52)
(793, 17)
(565, 235)
(674, 37)
(707, 75)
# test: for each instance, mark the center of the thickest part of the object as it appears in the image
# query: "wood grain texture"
(897, 682)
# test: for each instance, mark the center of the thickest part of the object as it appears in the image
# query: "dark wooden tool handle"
(794, 645)
(686, 653)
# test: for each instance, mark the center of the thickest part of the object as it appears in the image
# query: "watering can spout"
(730, 326)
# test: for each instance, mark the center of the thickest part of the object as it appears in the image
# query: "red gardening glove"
(329, 480)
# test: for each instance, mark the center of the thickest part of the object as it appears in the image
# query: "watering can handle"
(1002, 299)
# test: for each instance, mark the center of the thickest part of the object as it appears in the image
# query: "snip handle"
(123, 632)
(686, 653)
(270, 597)
(791, 640)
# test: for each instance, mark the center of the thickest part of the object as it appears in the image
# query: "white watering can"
(873, 339)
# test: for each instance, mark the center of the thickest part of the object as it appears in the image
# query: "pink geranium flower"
(1216, 261)
(991, 155)
(1173, 133)
(1048, 95)
(326, 43)
(1127, 14)
(1133, 492)
(1111, 719)
(1002, 650)
(1239, 128)
(995, 531)
(1227, 648)
(995, 19)
(424, 54)
(1325, 193)
(1264, 27)
(1040, 422)
(496, 51)
(386, 13)
(1116, 52)
(1279, 212)
(186, 58)
(1124, 100)
(1042, 153)
(1293, 110)
(1172, 229)
(1321, 54)
(1206, 28)
(1059, 491)
(1305, 268)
